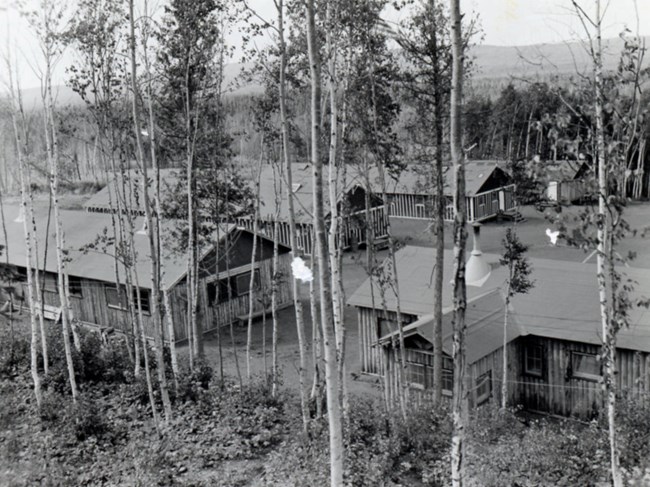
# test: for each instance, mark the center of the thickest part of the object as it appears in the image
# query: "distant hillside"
(494, 67)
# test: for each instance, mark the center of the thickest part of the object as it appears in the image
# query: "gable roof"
(564, 170)
(415, 279)
(273, 178)
(104, 201)
(413, 179)
(563, 305)
(81, 229)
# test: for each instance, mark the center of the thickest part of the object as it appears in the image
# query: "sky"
(504, 22)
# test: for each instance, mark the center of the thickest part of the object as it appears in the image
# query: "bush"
(192, 384)
(14, 354)
(86, 419)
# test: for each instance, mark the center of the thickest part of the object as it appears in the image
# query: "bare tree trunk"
(274, 311)
(171, 332)
(504, 381)
(295, 252)
(327, 319)
(605, 240)
(157, 267)
(251, 287)
(394, 279)
(52, 150)
(152, 232)
(439, 200)
(36, 379)
(459, 401)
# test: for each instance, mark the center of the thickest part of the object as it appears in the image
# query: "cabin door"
(551, 191)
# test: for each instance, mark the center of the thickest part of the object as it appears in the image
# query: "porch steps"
(513, 216)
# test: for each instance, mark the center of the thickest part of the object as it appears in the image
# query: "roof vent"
(477, 270)
(21, 215)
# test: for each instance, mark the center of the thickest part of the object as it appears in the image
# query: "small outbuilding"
(566, 181)
(489, 191)
(553, 336)
(96, 277)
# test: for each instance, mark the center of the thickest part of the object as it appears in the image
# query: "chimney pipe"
(477, 269)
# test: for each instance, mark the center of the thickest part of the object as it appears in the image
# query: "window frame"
(145, 299)
(486, 377)
(421, 371)
(246, 278)
(575, 374)
(529, 371)
(73, 294)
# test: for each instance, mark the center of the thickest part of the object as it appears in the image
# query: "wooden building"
(553, 337)
(489, 191)
(566, 181)
(350, 199)
(224, 281)
(350, 203)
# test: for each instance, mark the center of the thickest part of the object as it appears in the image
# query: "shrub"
(192, 384)
(14, 354)
(87, 419)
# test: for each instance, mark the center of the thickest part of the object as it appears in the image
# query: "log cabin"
(96, 277)
(489, 191)
(552, 340)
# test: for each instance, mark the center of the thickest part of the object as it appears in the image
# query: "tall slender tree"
(324, 275)
(460, 392)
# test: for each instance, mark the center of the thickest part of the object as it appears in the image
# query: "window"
(585, 366)
(416, 375)
(244, 282)
(447, 376)
(74, 286)
(117, 300)
(483, 387)
(232, 287)
(534, 360)
(420, 211)
(113, 298)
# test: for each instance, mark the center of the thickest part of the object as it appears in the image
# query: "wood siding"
(352, 228)
(92, 307)
(370, 352)
(223, 311)
(558, 391)
(491, 363)
(479, 207)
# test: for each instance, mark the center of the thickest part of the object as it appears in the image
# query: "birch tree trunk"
(440, 203)
(459, 401)
(36, 379)
(251, 286)
(293, 240)
(152, 232)
(327, 319)
(504, 381)
(52, 150)
(605, 240)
